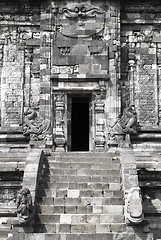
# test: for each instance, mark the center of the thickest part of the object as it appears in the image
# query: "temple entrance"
(79, 123)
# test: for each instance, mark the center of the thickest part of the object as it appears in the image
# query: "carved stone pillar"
(27, 82)
(131, 80)
(100, 125)
(59, 124)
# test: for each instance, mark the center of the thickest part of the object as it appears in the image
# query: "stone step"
(147, 153)
(76, 185)
(79, 218)
(80, 228)
(13, 154)
(149, 208)
(4, 229)
(76, 236)
(111, 153)
(12, 165)
(150, 165)
(79, 193)
(84, 165)
(80, 172)
(81, 179)
(96, 209)
(144, 158)
(84, 159)
(11, 184)
(8, 211)
(83, 201)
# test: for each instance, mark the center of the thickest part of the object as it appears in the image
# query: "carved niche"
(24, 206)
(126, 124)
(34, 126)
(78, 38)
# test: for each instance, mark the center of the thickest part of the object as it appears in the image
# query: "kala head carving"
(126, 124)
(24, 206)
(81, 20)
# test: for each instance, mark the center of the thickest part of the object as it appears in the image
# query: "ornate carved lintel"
(25, 211)
(133, 206)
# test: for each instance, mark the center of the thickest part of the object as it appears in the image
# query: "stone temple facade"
(80, 120)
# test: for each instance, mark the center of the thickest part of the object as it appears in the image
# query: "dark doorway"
(80, 124)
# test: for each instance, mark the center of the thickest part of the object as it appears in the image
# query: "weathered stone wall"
(58, 48)
(20, 56)
(140, 39)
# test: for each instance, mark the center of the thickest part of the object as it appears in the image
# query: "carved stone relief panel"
(78, 40)
(12, 84)
(147, 81)
(81, 20)
(140, 74)
(34, 126)
(19, 82)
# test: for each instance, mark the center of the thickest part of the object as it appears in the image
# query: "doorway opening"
(80, 123)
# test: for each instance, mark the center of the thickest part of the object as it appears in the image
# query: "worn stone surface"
(108, 52)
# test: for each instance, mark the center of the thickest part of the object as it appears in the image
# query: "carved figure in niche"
(134, 205)
(126, 124)
(35, 126)
(24, 206)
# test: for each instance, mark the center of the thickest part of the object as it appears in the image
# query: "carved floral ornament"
(81, 20)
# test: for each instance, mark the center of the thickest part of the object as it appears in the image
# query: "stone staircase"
(81, 197)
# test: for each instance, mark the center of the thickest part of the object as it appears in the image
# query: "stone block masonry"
(96, 208)
(106, 55)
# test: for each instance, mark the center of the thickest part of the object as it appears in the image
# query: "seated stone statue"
(126, 124)
(24, 206)
(134, 207)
